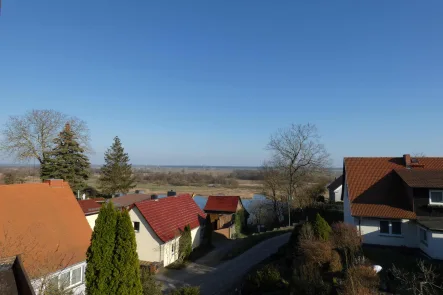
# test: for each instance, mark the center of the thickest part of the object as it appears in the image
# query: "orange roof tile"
(45, 224)
(376, 190)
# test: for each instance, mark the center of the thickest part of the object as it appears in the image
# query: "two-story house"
(396, 201)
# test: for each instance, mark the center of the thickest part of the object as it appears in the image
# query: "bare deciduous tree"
(31, 135)
(423, 282)
(272, 185)
(297, 154)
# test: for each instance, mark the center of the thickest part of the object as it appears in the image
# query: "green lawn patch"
(247, 242)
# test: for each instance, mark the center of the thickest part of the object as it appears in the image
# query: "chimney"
(154, 197)
(171, 193)
(407, 158)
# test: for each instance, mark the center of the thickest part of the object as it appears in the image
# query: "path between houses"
(215, 280)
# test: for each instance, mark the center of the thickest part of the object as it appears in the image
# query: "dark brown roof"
(336, 183)
(45, 224)
(128, 200)
(91, 206)
(431, 222)
(424, 178)
(376, 190)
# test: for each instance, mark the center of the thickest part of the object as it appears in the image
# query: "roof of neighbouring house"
(424, 178)
(375, 188)
(129, 199)
(168, 216)
(222, 203)
(44, 223)
(336, 183)
(91, 206)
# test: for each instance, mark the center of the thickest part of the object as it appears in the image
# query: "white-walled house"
(157, 225)
(90, 208)
(396, 201)
(43, 223)
(335, 189)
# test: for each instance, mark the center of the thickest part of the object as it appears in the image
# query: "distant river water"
(201, 201)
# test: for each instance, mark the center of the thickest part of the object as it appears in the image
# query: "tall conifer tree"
(116, 174)
(67, 161)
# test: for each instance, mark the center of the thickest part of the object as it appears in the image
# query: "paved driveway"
(214, 280)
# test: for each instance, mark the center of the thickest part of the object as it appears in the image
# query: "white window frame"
(390, 234)
(424, 242)
(133, 225)
(82, 277)
(430, 199)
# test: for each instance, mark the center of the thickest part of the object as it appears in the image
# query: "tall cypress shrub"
(321, 228)
(99, 257)
(185, 243)
(126, 278)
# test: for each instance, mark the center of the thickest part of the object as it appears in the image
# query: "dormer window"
(436, 197)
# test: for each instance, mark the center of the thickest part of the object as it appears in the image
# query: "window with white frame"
(173, 248)
(388, 227)
(436, 197)
(423, 236)
(68, 279)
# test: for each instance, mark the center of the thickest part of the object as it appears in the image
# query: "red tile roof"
(167, 216)
(376, 190)
(45, 224)
(129, 199)
(91, 206)
(222, 203)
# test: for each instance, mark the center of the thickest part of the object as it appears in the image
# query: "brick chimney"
(407, 158)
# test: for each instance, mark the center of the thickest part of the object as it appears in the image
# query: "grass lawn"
(245, 243)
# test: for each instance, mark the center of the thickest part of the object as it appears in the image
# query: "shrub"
(346, 239)
(188, 290)
(316, 251)
(321, 228)
(335, 263)
(239, 221)
(263, 280)
(306, 232)
(185, 244)
(361, 280)
(149, 284)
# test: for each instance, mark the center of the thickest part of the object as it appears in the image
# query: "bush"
(186, 291)
(239, 221)
(361, 280)
(316, 251)
(265, 279)
(346, 239)
(306, 232)
(335, 263)
(321, 228)
(185, 243)
(149, 284)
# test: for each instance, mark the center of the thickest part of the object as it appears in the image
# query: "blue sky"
(207, 82)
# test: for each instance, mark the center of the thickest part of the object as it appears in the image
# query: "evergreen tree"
(321, 228)
(126, 277)
(67, 161)
(116, 175)
(100, 254)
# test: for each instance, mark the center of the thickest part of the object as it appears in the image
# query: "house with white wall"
(91, 208)
(335, 189)
(396, 201)
(43, 223)
(158, 224)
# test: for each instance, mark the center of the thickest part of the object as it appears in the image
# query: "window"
(390, 227)
(172, 249)
(68, 279)
(53, 282)
(384, 227)
(436, 197)
(423, 236)
(76, 276)
(136, 226)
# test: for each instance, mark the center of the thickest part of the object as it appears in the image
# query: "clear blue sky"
(207, 82)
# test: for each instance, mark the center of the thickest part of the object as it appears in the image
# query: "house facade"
(45, 225)
(396, 201)
(221, 210)
(335, 189)
(90, 208)
(158, 224)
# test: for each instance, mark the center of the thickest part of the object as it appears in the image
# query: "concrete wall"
(435, 244)
(148, 243)
(79, 289)
(91, 220)
(170, 256)
(196, 235)
(370, 231)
